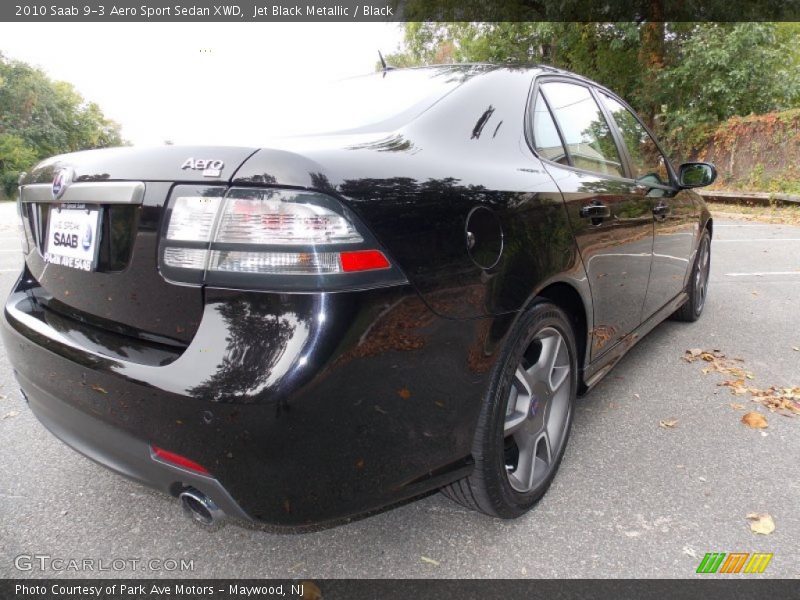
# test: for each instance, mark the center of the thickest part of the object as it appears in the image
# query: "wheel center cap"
(534, 407)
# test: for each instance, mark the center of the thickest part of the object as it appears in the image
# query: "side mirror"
(696, 174)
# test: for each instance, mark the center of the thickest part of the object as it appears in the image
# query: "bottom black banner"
(399, 589)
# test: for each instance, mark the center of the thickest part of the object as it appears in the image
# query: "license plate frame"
(67, 242)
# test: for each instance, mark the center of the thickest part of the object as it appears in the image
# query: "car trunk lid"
(124, 191)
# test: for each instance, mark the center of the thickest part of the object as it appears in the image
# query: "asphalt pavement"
(632, 498)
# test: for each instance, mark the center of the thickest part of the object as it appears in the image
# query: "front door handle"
(596, 210)
(661, 209)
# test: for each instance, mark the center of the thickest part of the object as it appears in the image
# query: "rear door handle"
(595, 211)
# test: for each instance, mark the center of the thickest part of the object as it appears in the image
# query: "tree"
(40, 118)
(727, 69)
(15, 156)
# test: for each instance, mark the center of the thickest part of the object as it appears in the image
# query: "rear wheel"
(526, 418)
(697, 289)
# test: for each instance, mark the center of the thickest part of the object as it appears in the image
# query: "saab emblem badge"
(62, 179)
(87, 237)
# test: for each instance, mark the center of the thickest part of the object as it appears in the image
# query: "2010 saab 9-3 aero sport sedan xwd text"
(331, 323)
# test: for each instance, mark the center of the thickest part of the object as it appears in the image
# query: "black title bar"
(398, 10)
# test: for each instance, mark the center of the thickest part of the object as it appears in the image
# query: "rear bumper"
(304, 408)
(120, 451)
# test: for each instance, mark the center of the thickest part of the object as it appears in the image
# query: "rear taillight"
(277, 217)
(269, 239)
(363, 260)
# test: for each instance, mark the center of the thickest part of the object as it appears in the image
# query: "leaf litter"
(782, 400)
(718, 363)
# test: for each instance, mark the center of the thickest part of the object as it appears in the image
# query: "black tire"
(697, 288)
(490, 488)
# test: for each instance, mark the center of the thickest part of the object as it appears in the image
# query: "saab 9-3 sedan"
(407, 295)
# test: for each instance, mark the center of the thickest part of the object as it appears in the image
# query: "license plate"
(72, 233)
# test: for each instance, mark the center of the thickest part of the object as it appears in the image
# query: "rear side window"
(647, 162)
(587, 135)
(545, 135)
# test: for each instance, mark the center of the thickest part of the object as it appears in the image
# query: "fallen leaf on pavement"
(761, 523)
(737, 386)
(429, 560)
(755, 420)
(98, 389)
(737, 406)
(668, 423)
(11, 414)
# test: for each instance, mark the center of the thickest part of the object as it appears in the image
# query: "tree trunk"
(651, 57)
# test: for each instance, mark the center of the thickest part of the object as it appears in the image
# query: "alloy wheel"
(701, 277)
(538, 410)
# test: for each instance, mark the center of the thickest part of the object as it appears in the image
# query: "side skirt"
(600, 368)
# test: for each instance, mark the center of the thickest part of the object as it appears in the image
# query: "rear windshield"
(379, 101)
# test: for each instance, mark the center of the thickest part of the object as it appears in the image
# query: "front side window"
(647, 162)
(587, 135)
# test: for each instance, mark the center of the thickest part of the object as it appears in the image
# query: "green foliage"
(787, 37)
(41, 118)
(683, 78)
(15, 156)
(726, 69)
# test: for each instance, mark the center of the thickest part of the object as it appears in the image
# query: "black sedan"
(409, 299)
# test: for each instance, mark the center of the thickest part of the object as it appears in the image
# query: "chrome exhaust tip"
(200, 508)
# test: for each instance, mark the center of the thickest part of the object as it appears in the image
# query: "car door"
(609, 214)
(676, 215)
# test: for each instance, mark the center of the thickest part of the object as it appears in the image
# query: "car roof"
(489, 67)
